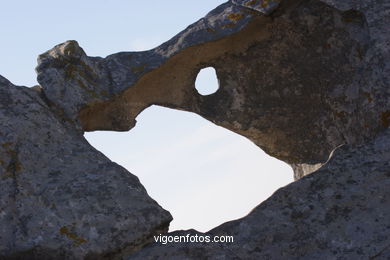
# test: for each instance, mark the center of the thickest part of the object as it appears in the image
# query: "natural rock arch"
(296, 83)
(273, 86)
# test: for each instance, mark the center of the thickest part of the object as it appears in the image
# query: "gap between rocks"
(203, 174)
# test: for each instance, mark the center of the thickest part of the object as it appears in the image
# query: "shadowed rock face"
(59, 197)
(298, 78)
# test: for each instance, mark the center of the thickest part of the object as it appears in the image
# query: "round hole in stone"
(206, 82)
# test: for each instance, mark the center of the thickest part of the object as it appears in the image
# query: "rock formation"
(298, 77)
(341, 211)
(61, 198)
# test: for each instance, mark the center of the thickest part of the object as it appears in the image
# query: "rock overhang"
(284, 74)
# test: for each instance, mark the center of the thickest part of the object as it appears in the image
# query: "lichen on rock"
(60, 198)
(307, 81)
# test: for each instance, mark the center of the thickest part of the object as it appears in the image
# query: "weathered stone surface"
(263, 6)
(74, 81)
(342, 211)
(296, 83)
(298, 78)
(59, 197)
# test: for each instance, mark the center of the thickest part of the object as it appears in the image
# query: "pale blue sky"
(203, 174)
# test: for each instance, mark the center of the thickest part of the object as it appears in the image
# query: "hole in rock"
(206, 82)
(203, 174)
